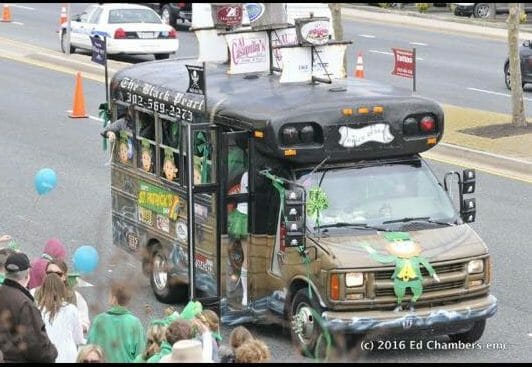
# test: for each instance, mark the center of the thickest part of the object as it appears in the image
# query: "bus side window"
(203, 158)
(171, 131)
(146, 143)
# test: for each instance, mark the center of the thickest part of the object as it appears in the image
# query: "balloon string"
(36, 201)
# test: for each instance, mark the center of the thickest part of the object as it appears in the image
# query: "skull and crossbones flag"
(196, 79)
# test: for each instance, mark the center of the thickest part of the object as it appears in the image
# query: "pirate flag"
(196, 79)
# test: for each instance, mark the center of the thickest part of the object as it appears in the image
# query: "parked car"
(483, 10)
(172, 12)
(525, 60)
(128, 29)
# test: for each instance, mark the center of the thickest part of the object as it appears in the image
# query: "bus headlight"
(354, 279)
(475, 266)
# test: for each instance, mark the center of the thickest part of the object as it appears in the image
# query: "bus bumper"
(422, 318)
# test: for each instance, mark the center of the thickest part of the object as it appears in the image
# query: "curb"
(483, 161)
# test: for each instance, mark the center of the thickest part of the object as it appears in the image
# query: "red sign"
(229, 15)
(405, 64)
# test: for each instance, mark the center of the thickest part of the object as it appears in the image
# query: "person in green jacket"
(404, 253)
(117, 331)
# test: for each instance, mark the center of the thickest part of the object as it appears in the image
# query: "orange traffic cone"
(78, 108)
(359, 72)
(63, 17)
(6, 14)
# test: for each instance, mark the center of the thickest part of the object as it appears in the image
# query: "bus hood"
(440, 244)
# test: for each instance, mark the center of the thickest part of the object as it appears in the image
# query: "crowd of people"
(44, 319)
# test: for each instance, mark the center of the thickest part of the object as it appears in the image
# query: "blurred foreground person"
(23, 335)
(61, 319)
(186, 351)
(54, 249)
(60, 268)
(253, 351)
(118, 331)
(90, 353)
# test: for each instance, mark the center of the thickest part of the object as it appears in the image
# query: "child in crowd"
(90, 353)
(117, 331)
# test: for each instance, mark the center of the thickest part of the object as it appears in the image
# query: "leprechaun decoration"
(169, 168)
(404, 253)
(124, 147)
(146, 156)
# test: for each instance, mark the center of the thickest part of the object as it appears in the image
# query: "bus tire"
(304, 328)
(161, 56)
(164, 289)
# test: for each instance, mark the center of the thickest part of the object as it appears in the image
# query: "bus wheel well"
(296, 285)
(147, 254)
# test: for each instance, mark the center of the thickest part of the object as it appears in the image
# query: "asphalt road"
(36, 133)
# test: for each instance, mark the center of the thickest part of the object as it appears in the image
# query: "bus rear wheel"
(164, 289)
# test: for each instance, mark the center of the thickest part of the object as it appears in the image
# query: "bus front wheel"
(164, 289)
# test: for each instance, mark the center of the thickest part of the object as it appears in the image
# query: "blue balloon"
(86, 259)
(45, 181)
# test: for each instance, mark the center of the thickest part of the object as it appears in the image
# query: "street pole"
(106, 73)
(68, 30)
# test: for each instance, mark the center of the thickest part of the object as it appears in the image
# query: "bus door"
(202, 180)
(236, 186)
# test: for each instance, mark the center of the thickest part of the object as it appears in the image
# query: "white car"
(128, 28)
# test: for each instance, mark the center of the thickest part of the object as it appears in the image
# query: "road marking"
(389, 53)
(486, 153)
(90, 116)
(22, 7)
(17, 23)
(418, 43)
(366, 35)
(495, 93)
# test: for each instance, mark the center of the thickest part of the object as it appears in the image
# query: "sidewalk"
(467, 131)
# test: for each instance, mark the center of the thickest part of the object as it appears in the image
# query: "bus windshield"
(379, 195)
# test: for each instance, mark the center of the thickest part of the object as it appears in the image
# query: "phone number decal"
(157, 106)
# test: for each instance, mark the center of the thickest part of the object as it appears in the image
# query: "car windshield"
(117, 16)
(379, 196)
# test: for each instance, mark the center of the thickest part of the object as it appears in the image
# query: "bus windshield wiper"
(352, 225)
(418, 219)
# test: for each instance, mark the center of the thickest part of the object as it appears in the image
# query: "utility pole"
(516, 85)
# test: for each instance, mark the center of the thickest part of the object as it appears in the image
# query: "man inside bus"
(126, 122)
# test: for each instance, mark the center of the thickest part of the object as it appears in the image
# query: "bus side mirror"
(295, 215)
(468, 210)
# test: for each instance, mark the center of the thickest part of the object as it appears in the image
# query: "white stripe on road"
(486, 153)
(90, 116)
(495, 93)
(22, 7)
(418, 43)
(17, 23)
(366, 35)
(389, 53)
(381, 52)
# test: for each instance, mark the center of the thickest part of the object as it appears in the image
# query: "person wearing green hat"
(405, 254)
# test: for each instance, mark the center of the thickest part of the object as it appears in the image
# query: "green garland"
(317, 202)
